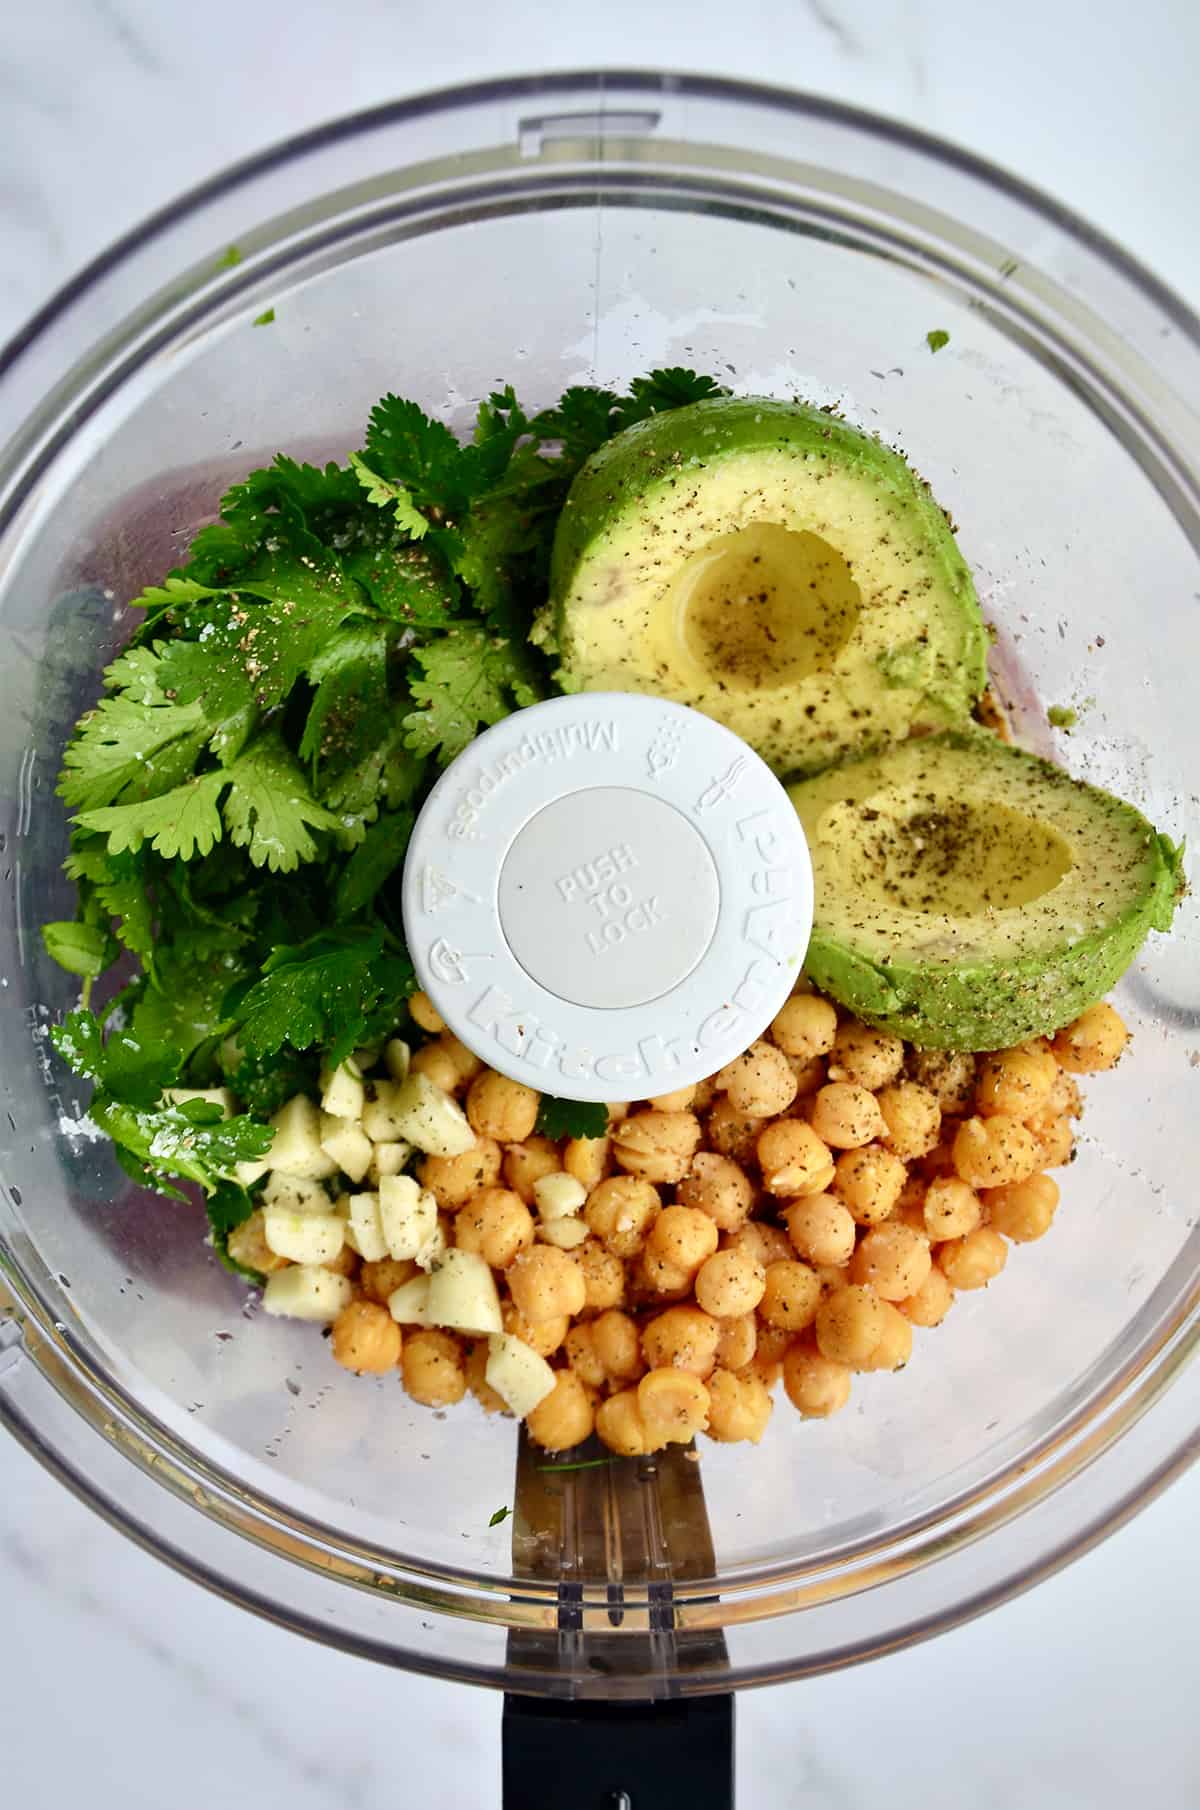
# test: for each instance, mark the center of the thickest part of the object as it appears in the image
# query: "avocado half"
(969, 895)
(776, 569)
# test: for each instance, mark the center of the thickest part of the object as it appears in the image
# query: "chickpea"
(453, 1180)
(500, 1108)
(674, 1405)
(657, 1279)
(817, 1386)
(759, 1081)
(763, 1370)
(849, 1324)
(437, 1065)
(717, 1186)
(738, 1342)
(791, 1296)
(894, 1347)
(621, 1212)
(527, 1163)
(940, 1160)
(681, 1338)
(1054, 1139)
(543, 1336)
(1017, 1081)
(565, 1417)
(1064, 1097)
(433, 1367)
(739, 1407)
(793, 1158)
(466, 1063)
(893, 1260)
(587, 1159)
(869, 1182)
(846, 1116)
(913, 1119)
(831, 1276)
(732, 1133)
(990, 1152)
(805, 1026)
(973, 1261)
(931, 1302)
(247, 1244)
(821, 1229)
(865, 1056)
(621, 1428)
(476, 1372)
(657, 1146)
(951, 1209)
(705, 1094)
(344, 1264)
(497, 1225)
(810, 1073)
(683, 1236)
(764, 1242)
(680, 1101)
(617, 1343)
(365, 1337)
(1024, 1210)
(603, 1276)
(948, 1074)
(617, 1110)
(772, 1342)
(1092, 1041)
(379, 1280)
(730, 1284)
(425, 1013)
(546, 1283)
(909, 1210)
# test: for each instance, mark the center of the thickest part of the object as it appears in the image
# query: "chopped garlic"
(348, 1145)
(303, 1237)
(407, 1215)
(519, 1376)
(558, 1195)
(364, 1228)
(565, 1234)
(387, 1159)
(430, 1119)
(462, 1294)
(216, 1096)
(396, 1057)
(342, 1092)
(409, 1304)
(296, 1146)
(307, 1292)
(294, 1193)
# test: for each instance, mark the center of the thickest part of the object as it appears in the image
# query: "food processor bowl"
(548, 231)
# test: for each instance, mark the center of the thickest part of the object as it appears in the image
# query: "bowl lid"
(608, 896)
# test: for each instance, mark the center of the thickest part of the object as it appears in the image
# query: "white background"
(119, 1684)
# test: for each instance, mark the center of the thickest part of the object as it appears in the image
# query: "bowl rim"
(1144, 1389)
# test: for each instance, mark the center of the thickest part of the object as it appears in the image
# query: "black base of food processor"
(617, 1756)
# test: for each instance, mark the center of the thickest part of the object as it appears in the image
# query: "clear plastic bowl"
(550, 231)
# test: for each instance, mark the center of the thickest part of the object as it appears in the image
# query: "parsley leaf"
(469, 678)
(571, 1118)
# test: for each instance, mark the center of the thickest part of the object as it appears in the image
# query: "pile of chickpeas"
(793, 1219)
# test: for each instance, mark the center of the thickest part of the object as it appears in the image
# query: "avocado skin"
(623, 477)
(988, 1006)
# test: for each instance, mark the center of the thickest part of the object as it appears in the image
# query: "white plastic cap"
(608, 896)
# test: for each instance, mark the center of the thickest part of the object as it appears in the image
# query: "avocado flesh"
(969, 895)
(774, 568)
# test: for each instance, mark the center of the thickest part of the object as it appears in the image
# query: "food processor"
(547, 231)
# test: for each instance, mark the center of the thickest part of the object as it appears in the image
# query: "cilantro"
(324, 993)
(674, 388)
(387, 494)
(231, 256)
(264, 319)
(125, 1067)
(500, 1516)
(937, 338)
(265, 1083)
(1062, 716)
(579, 1464)
(190, 1141)
(571, 1118)
(375, 859)
(79, 948)
(468, 679)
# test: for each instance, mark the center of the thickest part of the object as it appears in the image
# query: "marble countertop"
(128, 1687)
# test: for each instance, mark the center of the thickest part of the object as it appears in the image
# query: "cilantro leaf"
(469, 678)
(386, 493)
(229, 1205)
(324, 993)
(119, 742)
(500, 1515)
(673, 388)
(375, 859)
(405, 446)
(270, 807)
(265, 1083)
(184, 821)
(128, 1068)
(937, 338)
(408, 581)
(83, 949)
(342, 729)
(571, 1118)
(190, 1141)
